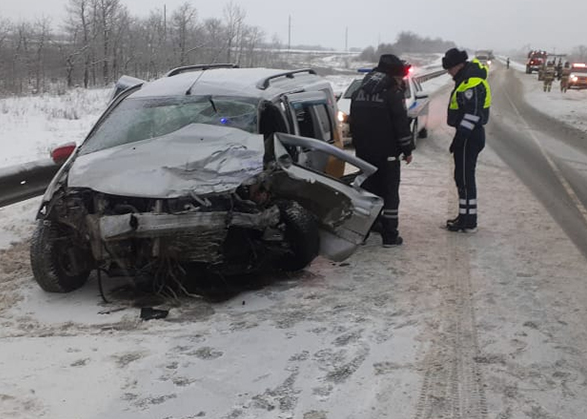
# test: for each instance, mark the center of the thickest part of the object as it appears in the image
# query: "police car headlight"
(489, 62)
(574, 78)
(342, 117)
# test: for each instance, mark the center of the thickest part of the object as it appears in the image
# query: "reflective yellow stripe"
(469, 84)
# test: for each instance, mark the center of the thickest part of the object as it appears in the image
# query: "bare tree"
(182, 25)
(42, 36)
(105, 16)
(99, 40)
(234, 16)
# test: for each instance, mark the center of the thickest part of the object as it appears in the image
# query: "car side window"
(314, 122)
(407, 88)
(324, 123)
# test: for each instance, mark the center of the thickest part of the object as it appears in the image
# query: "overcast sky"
(497, 24)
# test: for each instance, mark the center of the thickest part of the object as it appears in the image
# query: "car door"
(345, 212)
(309, 115)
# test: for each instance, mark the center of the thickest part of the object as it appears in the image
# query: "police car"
(416, 103)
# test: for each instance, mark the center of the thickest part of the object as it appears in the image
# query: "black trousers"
(385, 183)
(465, 158)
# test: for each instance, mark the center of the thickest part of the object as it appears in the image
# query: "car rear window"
(140, 119)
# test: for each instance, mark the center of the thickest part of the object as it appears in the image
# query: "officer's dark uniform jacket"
(470, 99)
(381, 132)
(379, 123)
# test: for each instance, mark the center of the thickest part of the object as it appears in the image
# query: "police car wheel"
(415, 132)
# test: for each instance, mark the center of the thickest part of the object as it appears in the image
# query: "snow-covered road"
(490, 325)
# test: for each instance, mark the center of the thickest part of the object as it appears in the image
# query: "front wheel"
(58, 264)
(301, 233)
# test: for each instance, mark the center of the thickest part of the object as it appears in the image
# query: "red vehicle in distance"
(536, 58)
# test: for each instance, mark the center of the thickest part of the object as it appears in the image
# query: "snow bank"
(33, 125)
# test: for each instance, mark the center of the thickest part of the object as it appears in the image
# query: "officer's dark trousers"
(465, 163)
(385, 183)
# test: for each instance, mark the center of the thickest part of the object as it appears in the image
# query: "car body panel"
(201, 159)
(345, 216)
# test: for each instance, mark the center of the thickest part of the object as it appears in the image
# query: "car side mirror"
(61, 153)
(337, 96)
(421, 95)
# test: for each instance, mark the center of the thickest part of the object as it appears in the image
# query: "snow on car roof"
(227, 81)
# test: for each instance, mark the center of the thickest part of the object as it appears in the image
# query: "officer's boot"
(465, 224)
(453, 221)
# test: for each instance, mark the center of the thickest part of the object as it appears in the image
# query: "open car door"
(310, 117)
(345, 212)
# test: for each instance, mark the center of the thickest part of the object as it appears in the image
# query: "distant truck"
(536, 59)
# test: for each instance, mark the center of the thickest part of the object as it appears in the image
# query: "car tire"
(423, 133)
(51, 264)
(301, 233)
(415, 133)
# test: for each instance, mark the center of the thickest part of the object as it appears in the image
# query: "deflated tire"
(58, 264)
(301, 232)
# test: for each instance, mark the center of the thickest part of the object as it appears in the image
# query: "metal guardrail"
(25, 181)
(428, 76)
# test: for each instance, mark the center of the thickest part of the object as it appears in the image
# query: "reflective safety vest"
(455, 114)
(469, 84)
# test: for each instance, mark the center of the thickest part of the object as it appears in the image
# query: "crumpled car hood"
(200, 159)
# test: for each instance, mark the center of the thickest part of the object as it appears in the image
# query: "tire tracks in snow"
(453, 385)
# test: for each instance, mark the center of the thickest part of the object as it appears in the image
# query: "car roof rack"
(195, 67)
(264, 83)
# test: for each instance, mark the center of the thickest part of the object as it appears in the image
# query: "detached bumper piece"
(152, 225)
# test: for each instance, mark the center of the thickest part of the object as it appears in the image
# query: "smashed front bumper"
(153, 225)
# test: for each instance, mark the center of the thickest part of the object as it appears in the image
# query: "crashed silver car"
(209, 167)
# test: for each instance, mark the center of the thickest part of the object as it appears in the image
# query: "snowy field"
(34, 125)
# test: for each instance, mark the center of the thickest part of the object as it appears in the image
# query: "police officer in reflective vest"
(381, 133)
(468, 112)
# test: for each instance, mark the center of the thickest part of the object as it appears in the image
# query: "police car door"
(308, 112)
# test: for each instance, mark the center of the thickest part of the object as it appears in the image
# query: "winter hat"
(453, 57)
(392, 65)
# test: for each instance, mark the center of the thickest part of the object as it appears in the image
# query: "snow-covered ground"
(32, 126)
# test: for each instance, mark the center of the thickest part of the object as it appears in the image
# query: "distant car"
(484, 59)
(416, 99)
(578, 76)
(209, 169)
(484, 56)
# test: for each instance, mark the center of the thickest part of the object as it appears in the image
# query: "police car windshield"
(579, 69)
(352, 88)
(143, 118)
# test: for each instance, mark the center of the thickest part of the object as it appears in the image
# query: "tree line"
(99, 40)
(407, 42)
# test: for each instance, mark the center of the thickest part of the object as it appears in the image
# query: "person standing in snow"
(381, 133)
(549, 74)
(468, 112)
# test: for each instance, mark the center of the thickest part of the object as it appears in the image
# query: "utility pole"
(289, 33)
(346, 39)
